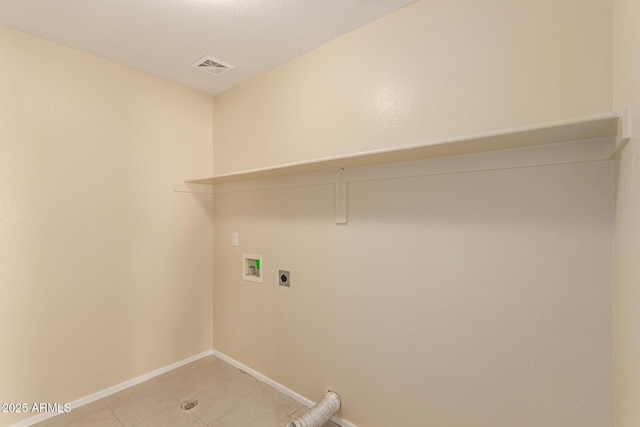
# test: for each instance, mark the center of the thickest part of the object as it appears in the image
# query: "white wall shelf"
(610, 130)
(600, 126)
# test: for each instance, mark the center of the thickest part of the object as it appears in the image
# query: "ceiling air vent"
(212, 65)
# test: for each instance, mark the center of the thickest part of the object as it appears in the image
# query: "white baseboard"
(114, 389)
(292, 394)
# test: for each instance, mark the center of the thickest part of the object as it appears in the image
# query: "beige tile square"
(198, 364)
(140, 402)
(249, 414)
(277, 402)
(246, 384)
(188, 381)
(223, 372)
(217, 401)
(76, 415)
(174, 417)
(101, 418)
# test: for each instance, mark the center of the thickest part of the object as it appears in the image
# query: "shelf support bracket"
(623, 132)
(341, 198)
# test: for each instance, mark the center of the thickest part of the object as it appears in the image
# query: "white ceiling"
(164, 37)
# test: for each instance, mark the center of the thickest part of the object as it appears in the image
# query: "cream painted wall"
(429, 71)
(627, 234)
(468, 300)
(105, 272)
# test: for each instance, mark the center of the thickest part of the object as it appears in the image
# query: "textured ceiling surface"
(164, 37)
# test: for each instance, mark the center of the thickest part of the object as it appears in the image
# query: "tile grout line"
(112, 413)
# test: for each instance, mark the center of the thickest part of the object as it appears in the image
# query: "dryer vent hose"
(319, 414)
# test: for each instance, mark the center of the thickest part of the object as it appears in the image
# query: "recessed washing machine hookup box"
(252, 267)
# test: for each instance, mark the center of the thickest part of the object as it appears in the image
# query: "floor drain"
(189, 404)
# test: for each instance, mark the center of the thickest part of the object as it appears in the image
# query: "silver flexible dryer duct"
(319, 414)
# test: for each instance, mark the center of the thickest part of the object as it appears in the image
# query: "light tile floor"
(227, 397)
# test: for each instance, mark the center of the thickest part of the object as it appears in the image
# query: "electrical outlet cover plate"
(284, 278)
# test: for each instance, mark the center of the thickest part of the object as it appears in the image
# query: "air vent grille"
(212, 65)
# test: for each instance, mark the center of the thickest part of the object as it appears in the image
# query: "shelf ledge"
(612, 128)
(599, 126)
